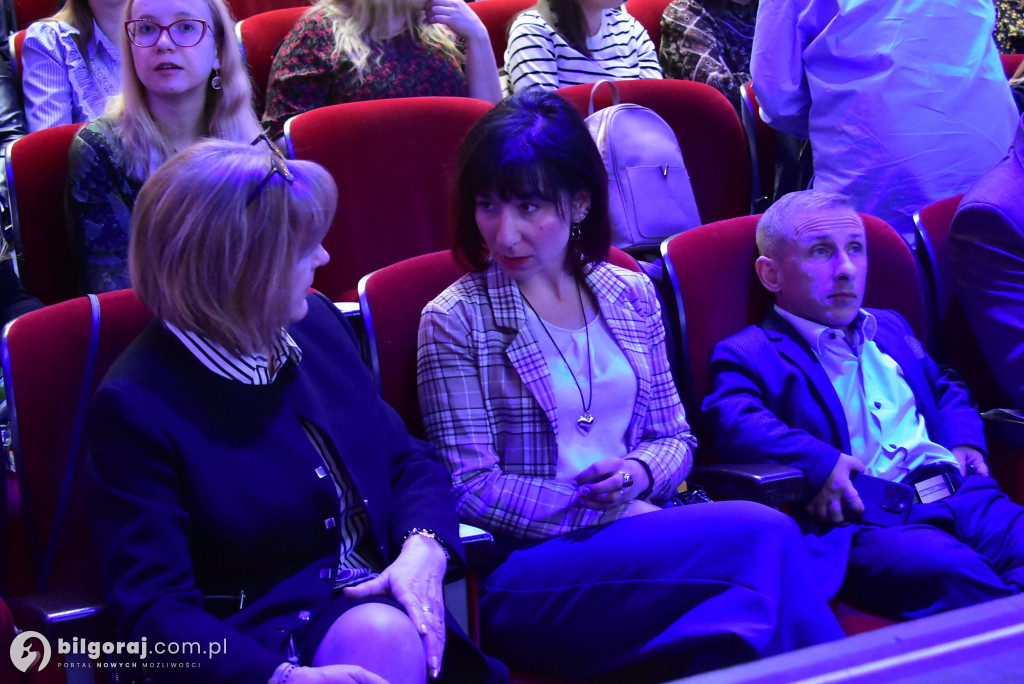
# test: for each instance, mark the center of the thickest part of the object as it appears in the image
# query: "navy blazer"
(204, 486)
(771, 400)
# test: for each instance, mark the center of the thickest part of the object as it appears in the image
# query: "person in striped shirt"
(561, 43)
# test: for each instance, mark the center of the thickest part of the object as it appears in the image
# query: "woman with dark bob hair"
(250, 488)
(544, 383)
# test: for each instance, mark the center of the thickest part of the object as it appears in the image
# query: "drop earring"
(215, 81)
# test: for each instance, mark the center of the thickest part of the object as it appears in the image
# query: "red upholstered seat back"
(27, 11)
(648, 13)
(260, 35)
(390, 301)
(44, 355)
(709, 133)
(1010, 63)
(243, 9)
(711, 270)
(36, 168)
(497, 16)
(393, 161)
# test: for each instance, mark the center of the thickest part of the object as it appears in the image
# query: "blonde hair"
(359, 24)
(228, 114)
(207, 260)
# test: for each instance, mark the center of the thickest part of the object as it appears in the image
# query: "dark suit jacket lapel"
(893, 341)
(792, 346)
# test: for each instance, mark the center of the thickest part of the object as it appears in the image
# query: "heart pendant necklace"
(586, 421)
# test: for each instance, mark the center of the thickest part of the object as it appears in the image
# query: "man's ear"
(768, 273)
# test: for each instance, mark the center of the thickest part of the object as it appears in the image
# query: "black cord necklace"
(586, 421)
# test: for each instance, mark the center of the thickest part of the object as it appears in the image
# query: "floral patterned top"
(712, 48)
(304, 76)
(99, 197)
(1009, 31)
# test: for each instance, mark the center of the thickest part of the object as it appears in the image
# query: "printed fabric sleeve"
(98, 203)
(303, 72)
(666, 445)
(465, 429)
(777, 68)
(530, 58)
(47, 88)
(690, 50)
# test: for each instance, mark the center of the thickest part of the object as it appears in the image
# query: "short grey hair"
(775, 229)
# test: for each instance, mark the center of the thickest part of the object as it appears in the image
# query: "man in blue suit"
(835, 390)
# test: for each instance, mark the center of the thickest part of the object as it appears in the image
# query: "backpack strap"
(593, 92)
(74, 447)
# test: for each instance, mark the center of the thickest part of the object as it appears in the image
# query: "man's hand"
(827, 504)
(414, 580)
(968, 458)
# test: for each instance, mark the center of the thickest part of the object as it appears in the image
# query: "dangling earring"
(575, 233)
(577, 219)
(215, 81)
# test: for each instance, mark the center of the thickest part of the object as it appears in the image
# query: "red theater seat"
(393, 161)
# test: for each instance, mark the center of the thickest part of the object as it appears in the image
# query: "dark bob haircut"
(532, 145)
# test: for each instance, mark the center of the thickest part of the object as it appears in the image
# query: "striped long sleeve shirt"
(537, 55)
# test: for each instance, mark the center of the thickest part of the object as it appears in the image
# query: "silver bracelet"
(424, 532)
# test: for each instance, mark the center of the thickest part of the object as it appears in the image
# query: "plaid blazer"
(488, 403)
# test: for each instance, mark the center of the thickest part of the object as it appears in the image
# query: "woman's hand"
(334, 674)
(456, 15)
(601, 486)
(414, 579)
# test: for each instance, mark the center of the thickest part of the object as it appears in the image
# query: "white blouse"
(614, 392)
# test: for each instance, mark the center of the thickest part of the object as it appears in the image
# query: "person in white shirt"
(568, 42)
(904, 101)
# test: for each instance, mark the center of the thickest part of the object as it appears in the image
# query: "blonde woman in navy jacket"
(250, 487)
(544, 383)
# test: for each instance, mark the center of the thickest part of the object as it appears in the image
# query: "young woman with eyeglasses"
(183, 79)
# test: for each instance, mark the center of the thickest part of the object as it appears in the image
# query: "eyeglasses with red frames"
(144, 33)
(277, 165)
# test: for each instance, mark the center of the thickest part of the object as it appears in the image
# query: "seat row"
(54, 359)
(392, 161)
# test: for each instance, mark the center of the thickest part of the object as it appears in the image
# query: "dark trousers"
(963, 550)
(656, 596)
